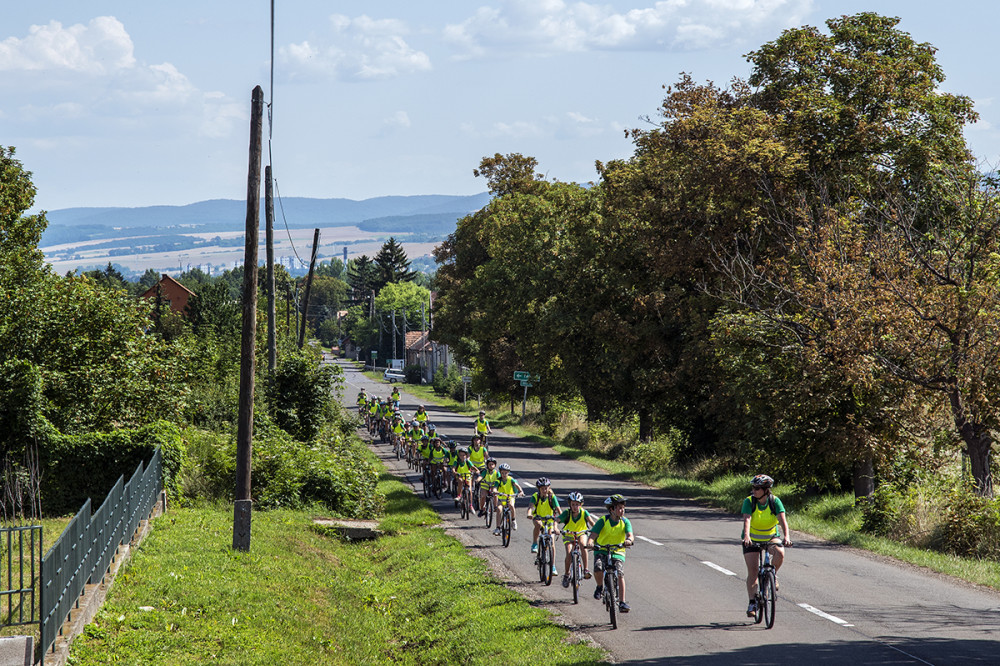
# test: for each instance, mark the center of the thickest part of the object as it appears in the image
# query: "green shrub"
(75, 467)
(412, 373)
(656, 455)
(971, 526)
(890, 511)
(445, 382)
(300, 395)
(335, 472)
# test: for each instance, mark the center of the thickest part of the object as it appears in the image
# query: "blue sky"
(139, 103)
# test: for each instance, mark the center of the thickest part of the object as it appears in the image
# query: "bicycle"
(575, 572)
(437, 479)
(506, 518)
(490, 504)
(611, 577)
(546, 551)
(464, 500)
(766, 588)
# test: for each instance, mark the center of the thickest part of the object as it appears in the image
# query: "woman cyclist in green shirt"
(763, 514)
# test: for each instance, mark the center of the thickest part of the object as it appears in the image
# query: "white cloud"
(571, 125)
(362, 48)
(556, 26)
(398, 120)
(100, 47)
(81, 75)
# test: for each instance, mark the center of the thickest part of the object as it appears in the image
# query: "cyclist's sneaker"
(586, 574)
(599, 593)
(777, 585)
(496, 532)
(554, 572)
(623, 607)
(515, 525)
(534, 547)
(752, 608)
(566, 580)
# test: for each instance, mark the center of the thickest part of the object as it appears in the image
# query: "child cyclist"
(575, 522)
(466, 473)
(612, 529)
(507, 487)
(544, 504)
(478, 453)
(491, 479)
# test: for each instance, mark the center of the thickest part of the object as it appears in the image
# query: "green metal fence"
(87, 547)
(20, 562)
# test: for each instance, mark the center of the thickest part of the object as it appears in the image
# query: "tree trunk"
(645, 424)
(978, 441)
(864, 476)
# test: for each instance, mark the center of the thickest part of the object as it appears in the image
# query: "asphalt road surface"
(686, 577)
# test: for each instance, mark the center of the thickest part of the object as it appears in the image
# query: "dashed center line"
(826, 616)
(713, 565)
(655, 543)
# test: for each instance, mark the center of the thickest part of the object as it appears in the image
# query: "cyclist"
(421, 415)
(478, 453)
(507, 485)
(613, 528)
(544, 504)
(491, 478)
(398, 429)
(465, 472)
(576, 522)
(395, 397)
(483, 426)
(372, 415)
(362, 399)
(764, 526)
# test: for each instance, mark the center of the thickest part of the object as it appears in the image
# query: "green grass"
(414, 596)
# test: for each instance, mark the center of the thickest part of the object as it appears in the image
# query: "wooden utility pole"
(272, 342)
(248, 365)
(309, 281)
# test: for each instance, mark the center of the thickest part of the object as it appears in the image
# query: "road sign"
(374, 354)
(521, 376)
(466, 380)
(526, 383)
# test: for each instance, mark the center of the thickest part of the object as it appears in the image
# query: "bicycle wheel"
(549, 559)
(505, 528)
(767, 599)
(542, 565)
(611, 593)
(759, 615)
(466, 503)
(489, 515)
(576, 574)
(427, 484)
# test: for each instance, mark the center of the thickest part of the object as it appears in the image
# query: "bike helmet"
(452, 443)
(491, 460)
(464, 449)
(576, 497)
(614, 499)
(482, 412)
(543, 481)
(505, 466)
(762, 481)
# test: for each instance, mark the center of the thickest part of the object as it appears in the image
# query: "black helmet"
(543, 481)
(614, 499)
(762, 481)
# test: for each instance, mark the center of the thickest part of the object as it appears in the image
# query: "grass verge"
(300, 596)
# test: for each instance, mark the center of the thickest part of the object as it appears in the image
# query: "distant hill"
(422, 214)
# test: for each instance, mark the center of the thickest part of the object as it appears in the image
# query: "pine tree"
(393, 266)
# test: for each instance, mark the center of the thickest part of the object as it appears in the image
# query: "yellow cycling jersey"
(478, 456)
(544, 507)
(464, 469)
(438, 455)
(420, 417)
(491, 479)
(608, 532)
(506, 487)
(482, 426)
(398, 429)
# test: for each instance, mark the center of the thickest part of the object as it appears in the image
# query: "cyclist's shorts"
(572, 537)
(599, 562)
(756, 546)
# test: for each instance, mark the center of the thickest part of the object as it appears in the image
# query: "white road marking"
(827, 616)
(655, 543)
(713, 565)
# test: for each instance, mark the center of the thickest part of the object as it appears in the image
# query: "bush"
(890, 512)
(971, 525)
(412, 373)
(76, 467)
(336, 472)
(658, 454)
(300, 396)
(446, 382)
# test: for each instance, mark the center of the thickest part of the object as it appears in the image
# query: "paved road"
(686, 579)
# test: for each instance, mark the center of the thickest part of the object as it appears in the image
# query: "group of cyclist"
(763, 515)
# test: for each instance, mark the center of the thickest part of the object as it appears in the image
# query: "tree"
(363, 277)
(333, 268)
(393, 266)
(510, 173)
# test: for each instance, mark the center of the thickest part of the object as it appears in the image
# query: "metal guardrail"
(87, 547)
